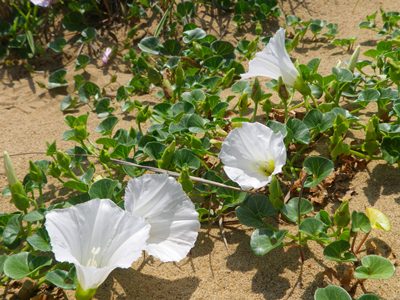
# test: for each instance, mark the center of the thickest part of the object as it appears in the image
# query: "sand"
(30, 117)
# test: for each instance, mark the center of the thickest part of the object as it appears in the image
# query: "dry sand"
(30, 116)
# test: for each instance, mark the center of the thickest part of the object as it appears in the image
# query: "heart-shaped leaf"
(339, 251)
(62, 279)
(374, 267)
(290, 210)
(331, 292)
(319, 168)
(254, 209)
(23, 264)
(263, 240)
(360, 222)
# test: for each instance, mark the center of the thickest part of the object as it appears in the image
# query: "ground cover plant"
(250, 153)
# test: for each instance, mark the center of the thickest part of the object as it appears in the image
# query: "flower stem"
(362, 243)
(81, 294)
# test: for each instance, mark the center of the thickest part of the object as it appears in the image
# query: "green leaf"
(298, 131)
(31, 41)
(312, 226)
(391, 149)
(319, 168)
(290, 210)
(318, 121)
(62, 279)
(57, 79)
(76, 185)
(374, 267)
(184, 157)
(331, 292)
(107, 125)
(193, 35)
(150, 45)
(23, 264)
(88, 34)
(263, 241)
(360, 222)
(33, 216)
(342, 215)
(58, 44)
(40, 240)
(87, 91)
(342, 75)
(81, 62)
(222, 48)
(154, 150)
(369, 297)
(368, 95)
(275, 193)
(103, 189)
(254, 209)
(12, 229)
(339, 251)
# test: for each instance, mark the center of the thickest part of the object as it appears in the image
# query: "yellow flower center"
(267, 168)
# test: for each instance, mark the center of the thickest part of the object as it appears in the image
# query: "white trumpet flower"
(274, 62)
(169, 211)
(96, 236)
(251, 154)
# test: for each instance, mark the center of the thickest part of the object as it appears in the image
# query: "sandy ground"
(30, 116)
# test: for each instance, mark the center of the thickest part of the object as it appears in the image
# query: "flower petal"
(171, 214)
(273, 61)
(97, 236)
(43, 3)
(248, 150)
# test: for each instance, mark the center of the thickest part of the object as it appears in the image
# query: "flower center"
(92, 262)
(267, 168)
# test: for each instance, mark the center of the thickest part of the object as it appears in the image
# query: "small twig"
(154, 169)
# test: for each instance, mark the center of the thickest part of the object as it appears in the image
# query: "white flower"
(274, 61)
(96, 236)
(43, 3)
(172, 216)
(106, 55)
(252, 154)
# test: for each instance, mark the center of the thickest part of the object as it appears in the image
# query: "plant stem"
(303, 181)
(362, 243)
(255, 110)
(354, 242)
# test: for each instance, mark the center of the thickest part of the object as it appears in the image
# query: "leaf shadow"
(269, 279)
(135, 285)
(383, 180)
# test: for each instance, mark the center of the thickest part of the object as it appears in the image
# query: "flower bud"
(354, 58)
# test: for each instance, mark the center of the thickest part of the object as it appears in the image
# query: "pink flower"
(42, 3)
(106, 55)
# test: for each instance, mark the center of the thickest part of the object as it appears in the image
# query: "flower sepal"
(81, 294)
(302, 87)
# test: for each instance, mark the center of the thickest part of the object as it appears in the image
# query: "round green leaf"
(374, 267)
(331, 292)
(263, 240)
(23, 264)
(360, 222)
(319, 168)
(298, 132)
(184, 157)
(150, 45)
(254, 209)
(339, 251)
(57, 79)
(103, 189)
(194, 34)
(369, 297)
(312, 226)
(62, 279)
(290, 210)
